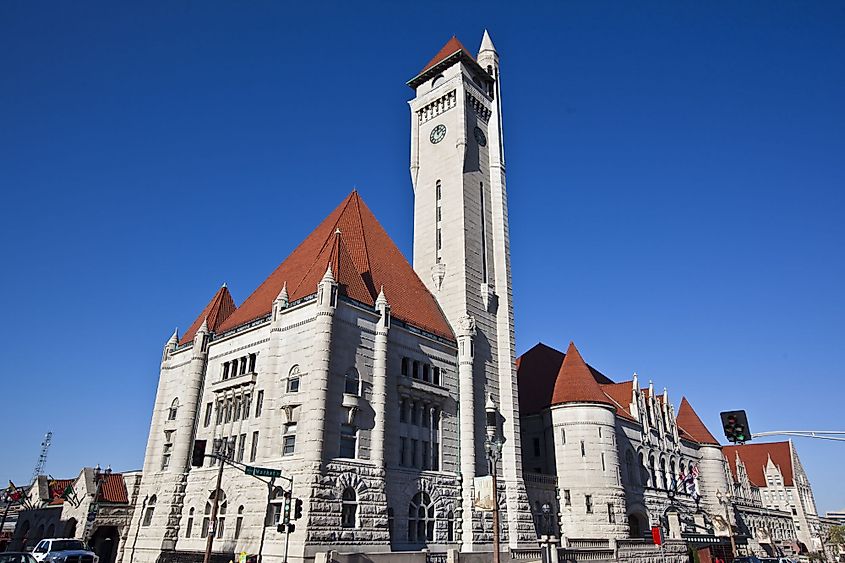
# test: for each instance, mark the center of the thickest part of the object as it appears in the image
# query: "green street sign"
(262, 471)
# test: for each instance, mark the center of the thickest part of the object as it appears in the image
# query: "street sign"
(262, 471)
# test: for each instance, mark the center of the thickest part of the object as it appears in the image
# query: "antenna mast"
(42, 457)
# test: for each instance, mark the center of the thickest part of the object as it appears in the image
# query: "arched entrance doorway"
(104, 543)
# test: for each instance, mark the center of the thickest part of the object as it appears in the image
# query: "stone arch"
(70, 528)
(346, 480)
(637, 521)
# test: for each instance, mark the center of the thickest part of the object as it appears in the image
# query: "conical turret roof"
(215, 313)
(362, 258)
(691, 423)
(575, 382)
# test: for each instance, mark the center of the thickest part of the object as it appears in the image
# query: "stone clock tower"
(462, 254)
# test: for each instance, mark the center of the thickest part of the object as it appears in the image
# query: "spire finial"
(204, 326)
(174, 338)
(486, 43)
(283, 294)
(381, 299)
(328, 276)
(224, 286)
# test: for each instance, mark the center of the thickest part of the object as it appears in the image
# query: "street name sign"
(262, 471)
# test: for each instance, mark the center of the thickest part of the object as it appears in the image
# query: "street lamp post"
(493, 446)
(100, 477)
(725, 499)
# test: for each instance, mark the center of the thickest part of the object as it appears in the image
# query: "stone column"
(186, 415)
(314, 417)
(465, 334)
(377, 437)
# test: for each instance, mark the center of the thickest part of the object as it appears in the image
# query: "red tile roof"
(690, 423)
(756, 456)
(576, 383)
(450, 48)
(536, 371)
(218, 310)
(363, 259)
(113, 489)
(621, 395)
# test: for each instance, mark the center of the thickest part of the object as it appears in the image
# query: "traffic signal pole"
(287, 526)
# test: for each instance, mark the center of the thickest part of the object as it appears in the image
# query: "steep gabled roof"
(363, 259)
(756, 456)
(536, 371)
(215, 313)
(689, 421)
(451, 47)
(576, 383)
(453, 50)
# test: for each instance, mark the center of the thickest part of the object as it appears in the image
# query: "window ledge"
(232, 382)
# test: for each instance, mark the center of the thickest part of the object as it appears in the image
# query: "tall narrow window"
(243, 365)
(247, 402)
(221, 515)
(353, 382)
(348, 441)
(241, 447)
(189, 527)
(293, 380)
(254, 447)
(583, 449)
(149, 511)
(567, 497)
(403, 451)
(206, 519)
(450, 526)
(349, 509)
(174, 407)
(252, 359)
(226, 370)
(207, 421)
(563, 436)
(239, 522)
(611, 516)
(588, 503)
(403, 410)
(438, 236)
(259, 403)
(603, 466)
(289, 439)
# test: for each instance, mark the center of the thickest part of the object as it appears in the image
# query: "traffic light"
(282, 528)
(198, 455)
(297, 509)
(735, 424)
(286, 509)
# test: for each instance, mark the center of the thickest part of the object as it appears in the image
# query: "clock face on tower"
(479, 137)
(437, 134)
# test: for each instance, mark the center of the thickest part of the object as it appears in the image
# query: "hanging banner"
(483, 498)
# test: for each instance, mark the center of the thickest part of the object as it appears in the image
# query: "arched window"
(436, 81)
(51, 531)
(673, 480)
(353, 382)
(205, 519)
(190, 525)
(293, 379)
(652, 472)
(221, 514)
(349, 509)
(420, 519)
(664, 481)
(174, 407)
(239, 522)
(149, 510)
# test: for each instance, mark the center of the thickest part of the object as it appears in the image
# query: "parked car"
(777, 560)
(748, 559)
(16, 557)
(63, 550)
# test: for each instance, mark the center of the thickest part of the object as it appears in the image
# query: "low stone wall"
(638, 551)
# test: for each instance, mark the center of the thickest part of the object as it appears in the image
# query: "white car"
(63, 550)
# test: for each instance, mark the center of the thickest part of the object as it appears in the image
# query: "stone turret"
(586, 456)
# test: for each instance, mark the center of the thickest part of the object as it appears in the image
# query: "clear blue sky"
(676, 175)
